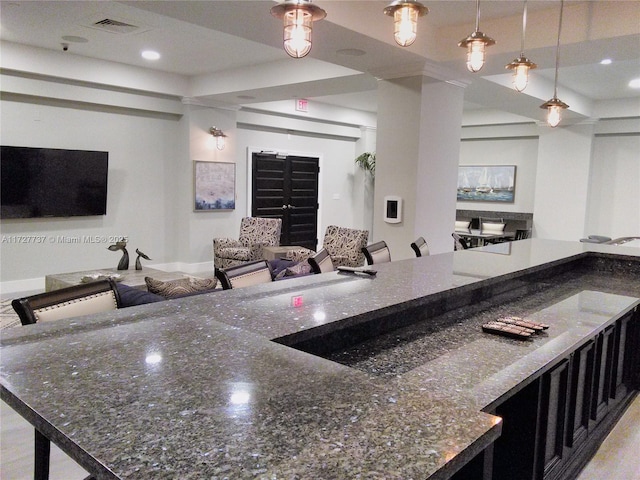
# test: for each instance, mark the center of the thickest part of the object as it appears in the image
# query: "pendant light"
(555, 106)
(298, 17)
(476, 44)
(522, 64)
(405, 15)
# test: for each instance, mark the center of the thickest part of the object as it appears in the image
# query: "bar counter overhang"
(218, 385)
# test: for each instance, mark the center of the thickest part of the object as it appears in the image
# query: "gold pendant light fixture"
(555, 106)
(476, 44)
(405, 15)
(522, 64)
(298, 17)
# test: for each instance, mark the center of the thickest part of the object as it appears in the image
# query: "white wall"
(518, 151)
(614, 202)
(141, 150)
(340, 183)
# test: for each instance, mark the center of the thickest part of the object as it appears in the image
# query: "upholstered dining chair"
(377, 253)
(83, 299)
(245, 275)
(255, 233)
(459, 243)
(321, 262)
(420, 247)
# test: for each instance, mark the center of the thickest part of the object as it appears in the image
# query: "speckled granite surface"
(194, 388)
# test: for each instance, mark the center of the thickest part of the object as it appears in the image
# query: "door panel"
(287, 188)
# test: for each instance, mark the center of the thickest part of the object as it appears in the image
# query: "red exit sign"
(302, 105)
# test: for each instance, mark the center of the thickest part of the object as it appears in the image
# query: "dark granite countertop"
(196, 388)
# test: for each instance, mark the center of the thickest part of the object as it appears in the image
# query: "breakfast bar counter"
(233, 384)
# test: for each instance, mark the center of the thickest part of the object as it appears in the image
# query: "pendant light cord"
(477, 15)
(524, 27)
(555, 82)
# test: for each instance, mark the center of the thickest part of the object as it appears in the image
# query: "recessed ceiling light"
(635, 83)
(605, 61)
(150, 55)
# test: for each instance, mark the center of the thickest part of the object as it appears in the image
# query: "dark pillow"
(130, 296)
(279, 265)
(181, 287)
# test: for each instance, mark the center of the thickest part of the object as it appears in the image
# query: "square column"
(418, 148)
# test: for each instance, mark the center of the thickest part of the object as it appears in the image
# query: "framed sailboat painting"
(487, 183)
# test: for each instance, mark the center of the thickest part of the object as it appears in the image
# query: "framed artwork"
(487, 183)
(214, 186)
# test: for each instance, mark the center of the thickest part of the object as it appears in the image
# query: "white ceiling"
(232, 49)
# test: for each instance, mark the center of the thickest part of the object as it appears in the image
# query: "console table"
(280, 251)
(132, 278)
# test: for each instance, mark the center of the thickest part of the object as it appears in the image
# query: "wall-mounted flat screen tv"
(47, 182)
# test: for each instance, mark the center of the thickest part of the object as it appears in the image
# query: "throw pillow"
(181, 287)
(299, 269)
(130, 296)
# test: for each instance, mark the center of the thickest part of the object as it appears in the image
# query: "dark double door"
(286, 187)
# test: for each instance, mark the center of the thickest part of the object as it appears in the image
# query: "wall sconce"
(219, 136)
(522, 64)
(405, 15)
(298, 17)
(555, 106)
(476, 44)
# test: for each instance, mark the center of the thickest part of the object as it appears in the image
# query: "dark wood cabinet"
(603, 372)
(553, 426)
(552, 419)
(582, 362)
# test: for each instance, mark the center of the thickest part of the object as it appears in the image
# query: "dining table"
(478, 239)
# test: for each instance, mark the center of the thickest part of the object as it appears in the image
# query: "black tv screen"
(48, 182)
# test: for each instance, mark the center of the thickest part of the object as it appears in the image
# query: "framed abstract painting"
(214, 186)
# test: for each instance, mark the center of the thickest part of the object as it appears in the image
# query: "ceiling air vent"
(116, 26)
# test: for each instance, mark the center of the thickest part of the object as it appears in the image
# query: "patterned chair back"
(345, 245)
(265, 231)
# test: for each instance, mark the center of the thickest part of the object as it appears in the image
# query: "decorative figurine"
(140, 254)
(124, 261)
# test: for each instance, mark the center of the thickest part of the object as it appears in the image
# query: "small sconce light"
(219, 136)
(405, 15)
(298, 17)
(476, 44)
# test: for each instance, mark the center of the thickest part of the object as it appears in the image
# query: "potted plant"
(367, 161)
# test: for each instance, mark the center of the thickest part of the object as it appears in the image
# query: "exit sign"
(302, 105)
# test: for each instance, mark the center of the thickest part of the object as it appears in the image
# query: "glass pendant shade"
(521, 67)
(555, 106)
(405, 20)
(298, 17)
(554, 111)
(476, 44)
(522, 64)
(297, 33)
